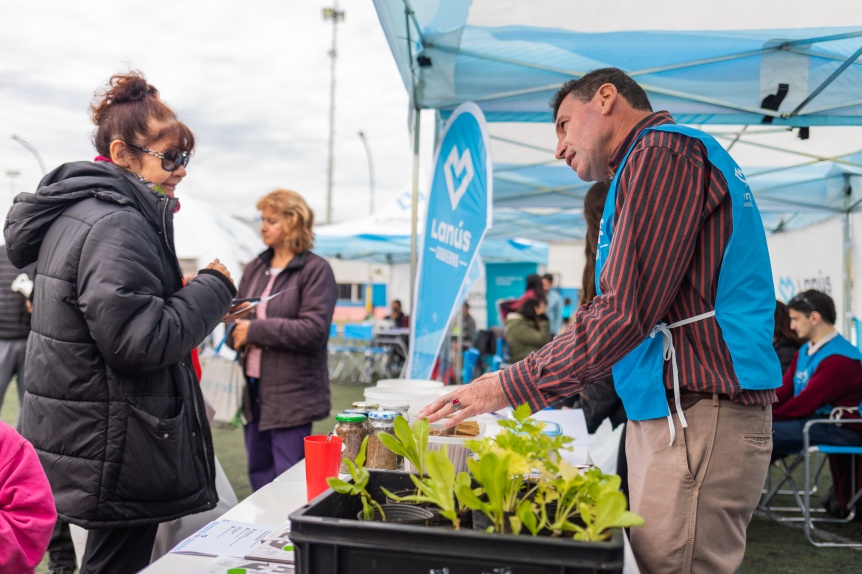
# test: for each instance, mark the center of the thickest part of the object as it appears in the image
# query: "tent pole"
(847, 266)
(414, 211)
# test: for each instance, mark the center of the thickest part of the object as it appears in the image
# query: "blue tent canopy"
(454, 51)
(704, 66)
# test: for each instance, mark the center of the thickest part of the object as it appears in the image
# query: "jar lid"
(350, 417)
(395, 407)
(383, 415)
(365, 405)
(363, 412)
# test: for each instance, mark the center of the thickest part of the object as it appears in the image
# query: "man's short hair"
(583, 89)
(813, 300)
(548, 277)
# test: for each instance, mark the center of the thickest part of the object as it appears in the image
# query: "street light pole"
(336, 16)
(370, 173)
(32, 150)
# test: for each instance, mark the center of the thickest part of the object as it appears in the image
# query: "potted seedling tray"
(328, 539)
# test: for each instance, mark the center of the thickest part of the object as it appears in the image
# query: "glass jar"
(352, 429)
(399, 408)
(378, 456)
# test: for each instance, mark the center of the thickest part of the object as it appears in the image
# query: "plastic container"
(389, 395)
(409, 384)
(328, 539)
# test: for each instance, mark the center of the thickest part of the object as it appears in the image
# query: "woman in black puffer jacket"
(112, 404)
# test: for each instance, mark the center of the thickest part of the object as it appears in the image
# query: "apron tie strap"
(669, 353)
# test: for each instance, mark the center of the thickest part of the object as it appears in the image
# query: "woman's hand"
(240, 333)
(218, 266)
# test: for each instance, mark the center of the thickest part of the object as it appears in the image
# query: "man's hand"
(218, 266)
(240, 333)
(483, 395)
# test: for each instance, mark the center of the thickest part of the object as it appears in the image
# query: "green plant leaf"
(360, 458)
(527, 516)
(339, 485)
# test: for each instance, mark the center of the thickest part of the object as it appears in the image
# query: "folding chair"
(787, 470)
(808, 451)
(365, 356)
(338, 358)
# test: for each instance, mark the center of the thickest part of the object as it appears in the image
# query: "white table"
(270, 505)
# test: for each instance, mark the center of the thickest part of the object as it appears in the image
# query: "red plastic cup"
(322, 459)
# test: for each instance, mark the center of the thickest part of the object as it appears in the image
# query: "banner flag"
(458, 216)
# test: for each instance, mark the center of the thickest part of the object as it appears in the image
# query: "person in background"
(785, 341)
(825, 373)
(527, 329)
(398, 318)
(113, 406)
(284, 341)
(14, 328)
(469, 324)
(555, 304)
(600, 400)
(533, 289)
(27, 513)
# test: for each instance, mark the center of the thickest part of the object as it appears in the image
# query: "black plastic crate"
(328, 539)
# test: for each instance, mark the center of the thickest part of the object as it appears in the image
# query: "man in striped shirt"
(683, 273)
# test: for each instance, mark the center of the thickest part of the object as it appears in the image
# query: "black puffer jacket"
(113, 405)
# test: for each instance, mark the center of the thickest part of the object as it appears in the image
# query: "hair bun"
(131, 87)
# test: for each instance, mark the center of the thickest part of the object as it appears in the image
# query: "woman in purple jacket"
(284, 340)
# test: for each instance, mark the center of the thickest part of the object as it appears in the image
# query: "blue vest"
(744, 304)
(806, 365)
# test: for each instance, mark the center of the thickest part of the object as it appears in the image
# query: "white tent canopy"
(385, 238)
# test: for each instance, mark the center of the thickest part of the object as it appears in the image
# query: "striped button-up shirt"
(672, 224)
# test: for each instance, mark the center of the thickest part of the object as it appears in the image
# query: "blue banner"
(458, 215)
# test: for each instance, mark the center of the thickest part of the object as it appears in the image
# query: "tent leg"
(414, 212)
(847, 251)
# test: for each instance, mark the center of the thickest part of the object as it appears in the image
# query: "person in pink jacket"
(27, 512)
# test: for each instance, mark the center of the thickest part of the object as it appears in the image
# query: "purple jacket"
(294, 377)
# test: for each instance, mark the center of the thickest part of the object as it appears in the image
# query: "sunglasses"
(171, 159)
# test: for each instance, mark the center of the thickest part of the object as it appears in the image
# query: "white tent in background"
(385, 238)
(203, 232)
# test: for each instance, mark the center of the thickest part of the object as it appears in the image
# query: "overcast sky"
(250, 78)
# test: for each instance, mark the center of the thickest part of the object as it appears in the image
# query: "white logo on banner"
(454, 167)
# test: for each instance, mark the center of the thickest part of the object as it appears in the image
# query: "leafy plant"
(438, 487)
(360, 477)
(525, 484)
(408, 442)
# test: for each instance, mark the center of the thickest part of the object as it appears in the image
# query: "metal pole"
(847, 252)
(414, 214)
(335, 15)
(370, 174)
(32, 150)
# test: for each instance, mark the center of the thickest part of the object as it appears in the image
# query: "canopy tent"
(783, 62)
(385, 238)
(709, 64)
